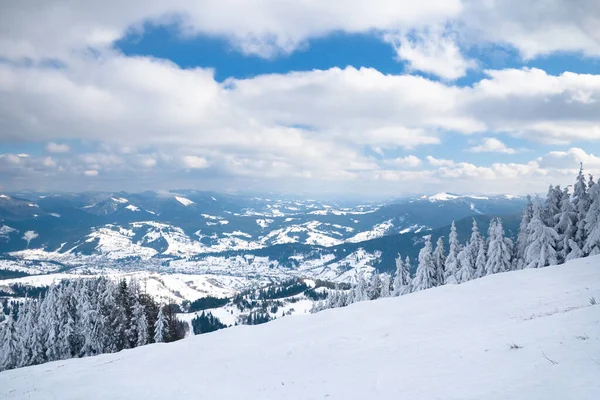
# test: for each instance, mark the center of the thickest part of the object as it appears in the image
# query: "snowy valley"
(530, 334)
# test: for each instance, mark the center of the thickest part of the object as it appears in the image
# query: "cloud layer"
(106, 118)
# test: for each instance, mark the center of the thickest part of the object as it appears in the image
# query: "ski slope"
(452, 342)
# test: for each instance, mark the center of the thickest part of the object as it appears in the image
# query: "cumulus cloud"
(431, 50)
(408, 161)
(52, 147)
(491, 145)
(194, 162)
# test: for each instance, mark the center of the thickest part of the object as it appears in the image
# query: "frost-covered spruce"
(552, 205)
(9, 349)
(523, 236)
(439, 260)
(402, 281)
(425, 277)
(160, 327)
(581, 203)
(481, 260)
(385, 285)
(451, 265)
(465, 266)
(541, 250)
(374, 288)
(592, 223)
(499, 250)
(566, 226)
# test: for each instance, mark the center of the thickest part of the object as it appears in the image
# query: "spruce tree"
(592, 222)
(523, 236)
(465, 266)
(481, 260)
(160, 328)
(9, 354)
(541, 250)
(565, 226)
(425, 276)
(581, 204)
(439, 259)
(499, 249)
(402, 280)
(385, 285)
(451, 264)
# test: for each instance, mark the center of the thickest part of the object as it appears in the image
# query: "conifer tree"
(374, 289)
(425, 276)
(481, 260)
(9, 355)
(385, 285)
(160, 328)
(523, 236)
(402, 280)
(465, 266)
(592, 222)
(439, 260)
(451, 265)
(565, 226)
(541, 250)
(499, 249)
(581, 205)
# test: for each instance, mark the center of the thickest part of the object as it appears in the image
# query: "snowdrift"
(531, 334)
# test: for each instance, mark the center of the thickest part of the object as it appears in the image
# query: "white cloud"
(436, 162)
(52, 147)
(431, 50)
(194, 162)
(408, 161)
(491, 145)
(90, 172)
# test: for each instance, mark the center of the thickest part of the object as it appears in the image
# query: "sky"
(370, 98)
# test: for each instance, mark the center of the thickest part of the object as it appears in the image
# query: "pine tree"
(360, 290)
(581, 204)
(385, 285)
(439, 260)
(465, 266)
(425, 276)
(160, 328)
(374, 289)
(481, 261)
(9, 355)
(402, 280)
(565, 226)
(541, 250)
(451, 265)
(592, 222)
(523, 237)
(499, 249)
(552, 205)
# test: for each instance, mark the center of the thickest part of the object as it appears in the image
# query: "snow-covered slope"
(531, 334)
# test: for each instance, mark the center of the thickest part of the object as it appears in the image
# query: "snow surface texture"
(530, 334)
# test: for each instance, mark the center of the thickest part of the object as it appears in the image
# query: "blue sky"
(371, 98)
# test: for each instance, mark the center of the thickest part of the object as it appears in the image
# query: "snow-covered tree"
(552, 205)
(465, 266)
(523, 236)
(592, 222)
(385, 285)
(581, 204)
(451, 264)
(499, 253)
(541, 250)
(374, 289)
(425, 277)
(9, 354)
(565, 226)
(439, 260)
(160, 327)
(402, 279)
(481, 260)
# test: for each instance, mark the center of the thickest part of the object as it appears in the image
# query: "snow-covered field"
(530, 334)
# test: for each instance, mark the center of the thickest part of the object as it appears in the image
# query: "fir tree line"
(84, 317)
(565, 226)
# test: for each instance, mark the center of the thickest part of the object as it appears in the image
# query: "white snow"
(378, 230)
(442, 197)
(3, 196)
(133, 208)
(263, 223)
(55, 215)
(119, 200)
(451, 342)
(184, 201)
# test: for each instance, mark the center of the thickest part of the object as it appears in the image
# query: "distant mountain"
(201, 231)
